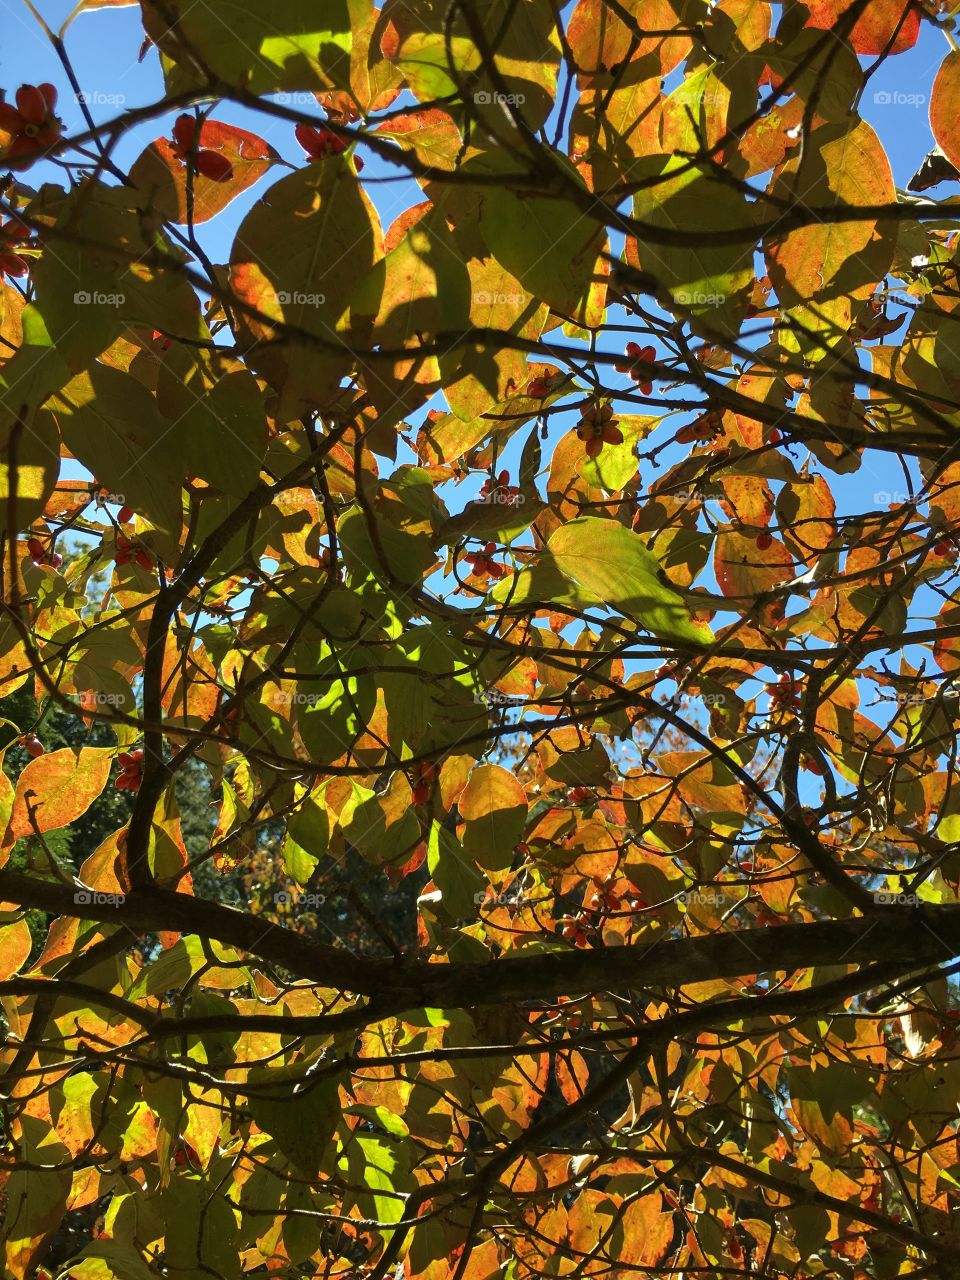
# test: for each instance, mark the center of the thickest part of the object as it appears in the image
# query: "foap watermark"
(284, 898)
(696, 299)
(884, 898)
(94, 98)
(884, 498)
(679, 699)
(295, 699)
(896, 98)
(103, 499)
(299, 299)
(97, 698)
(483, 97)
(485, 299)
(86, 298)
(94, 898)
(494, 698)
(700, 897)
(502, 498)
(490, 898)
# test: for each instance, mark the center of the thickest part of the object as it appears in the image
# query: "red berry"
(421, 793)
(319, 142)
(943, 548)
(764, 541)
(184, 133)
(32, 103)
(143, 560)
(36, 549)
(124, 515)
(11, 264)
(213, 165)
(34, 747)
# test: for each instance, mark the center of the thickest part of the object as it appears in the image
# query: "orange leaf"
(161, 175)
(56, 789)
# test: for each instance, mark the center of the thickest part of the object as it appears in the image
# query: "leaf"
(110, 422)
(825, 272)
(454, 873)
(549, 245)
(945, 106)
(30, 461)
(298, 1113)
(161, 176)
(58, 788)
(15, 946)
(420, 38)
(609, 564)
(222, 436)
(708, 284)
(296, 258)
(290, 44)
(884, 26)
(493, 805)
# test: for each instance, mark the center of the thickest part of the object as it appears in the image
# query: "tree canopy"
(479, 643)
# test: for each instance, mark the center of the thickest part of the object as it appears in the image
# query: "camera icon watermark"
(84, 298)
(94, 898)
(298, 299)
(490, 898)
(284, 898)
(883, 898)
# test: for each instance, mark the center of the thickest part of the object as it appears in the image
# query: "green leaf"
(111, 423)
(546, 243)
(223, 435)
(609, 563)
(453, 872)
(296, 258)
(493, 805)
(286, 44)
(300, 1114)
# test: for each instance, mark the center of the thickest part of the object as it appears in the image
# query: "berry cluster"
(539, 388)
(705, 428)
(186, 143)
(318, 143)
(41, 555)
(32, 125)
(499, 489)
(785, 693)
(598, 427)
(13, 235)
(131, 770)
(637, 366)
(127, 551)
(602, 903)
(482, 564)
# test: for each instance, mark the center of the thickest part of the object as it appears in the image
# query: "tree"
(482, 779)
